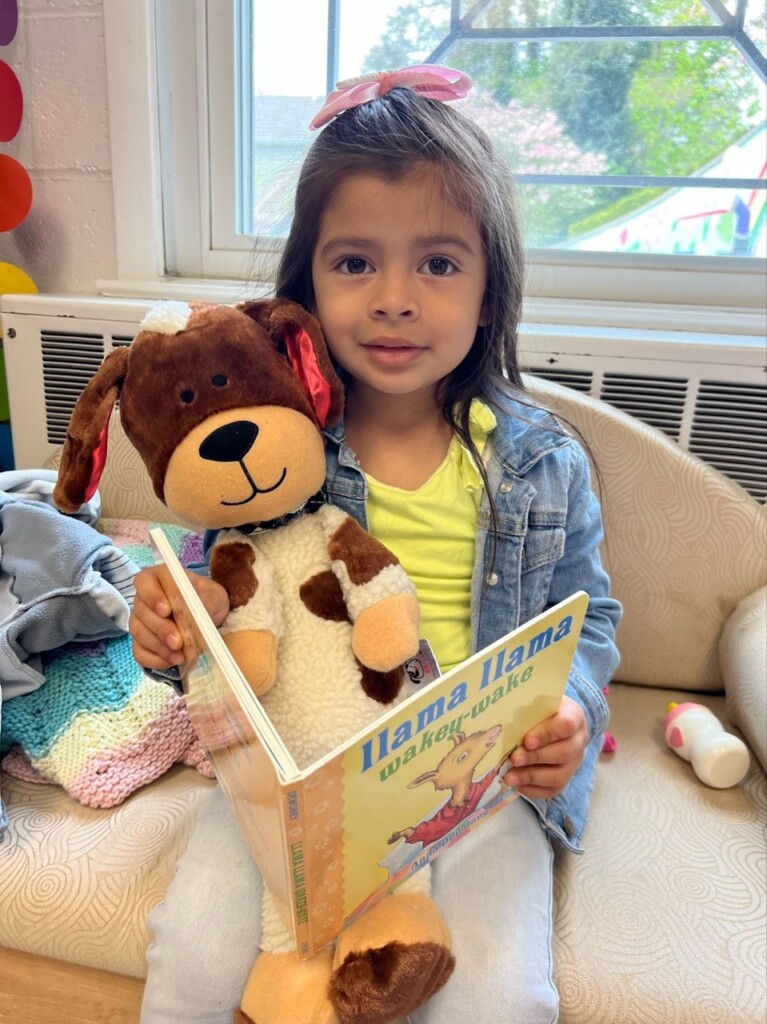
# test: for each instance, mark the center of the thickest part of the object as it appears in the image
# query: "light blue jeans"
(494, 888)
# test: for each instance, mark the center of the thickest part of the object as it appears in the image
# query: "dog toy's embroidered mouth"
(256, 489)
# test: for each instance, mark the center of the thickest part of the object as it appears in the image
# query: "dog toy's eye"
(219, 381)
(187, 396)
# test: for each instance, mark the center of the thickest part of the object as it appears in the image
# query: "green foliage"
(687, 106)
(665, 108)
(588, 83)
(614, 209)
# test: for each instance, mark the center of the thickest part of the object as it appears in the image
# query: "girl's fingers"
(542, 781)
(554, 754)
(154, 637)
(545, 772)
(146, 623)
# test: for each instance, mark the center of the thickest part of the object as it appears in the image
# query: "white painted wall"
(67, 240)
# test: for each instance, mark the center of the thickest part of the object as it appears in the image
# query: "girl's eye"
(353, 265)
(439, 266)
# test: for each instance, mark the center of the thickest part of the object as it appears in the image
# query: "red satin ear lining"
(98, 461)
(303, 359)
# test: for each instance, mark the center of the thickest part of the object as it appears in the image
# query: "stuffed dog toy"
(226, 407)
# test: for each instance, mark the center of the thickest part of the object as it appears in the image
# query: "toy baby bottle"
(695, 733)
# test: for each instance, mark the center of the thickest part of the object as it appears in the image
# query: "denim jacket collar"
(525, 434)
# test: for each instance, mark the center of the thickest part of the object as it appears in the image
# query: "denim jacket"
(546, 547)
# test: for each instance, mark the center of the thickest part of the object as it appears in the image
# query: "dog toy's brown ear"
(299, 334)
(85, 449)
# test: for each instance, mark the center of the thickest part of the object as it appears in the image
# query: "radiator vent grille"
(729, 430)
(658, 401)
(578, 380)
(722, 422)
(69, 362)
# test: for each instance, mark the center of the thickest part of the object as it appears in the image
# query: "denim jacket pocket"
(543, 547)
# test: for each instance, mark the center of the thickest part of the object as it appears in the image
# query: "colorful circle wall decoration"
(13, 281)
(15, 183)
(9, 20)
(11, 103)
(15, 201)
(15, 193)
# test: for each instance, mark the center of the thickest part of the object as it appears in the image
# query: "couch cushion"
(77, 883)
(743, 654)
(684, 543)
(663, 917)
(125, 488)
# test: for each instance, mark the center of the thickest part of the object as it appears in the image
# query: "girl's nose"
(393, 297)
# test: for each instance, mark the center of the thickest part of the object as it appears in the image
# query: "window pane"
(543, 13)
(756, 24)
(589, 125)
(389, 33)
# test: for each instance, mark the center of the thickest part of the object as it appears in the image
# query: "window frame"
(148, 82)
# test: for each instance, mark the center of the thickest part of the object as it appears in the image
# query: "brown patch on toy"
(231, 565)
(381, 686)
(242, 1018)
(323, 597)
(351, 545)
(384, 984)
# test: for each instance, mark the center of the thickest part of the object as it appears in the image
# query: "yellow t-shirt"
(432, 531)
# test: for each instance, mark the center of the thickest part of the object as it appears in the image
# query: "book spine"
(294, 810)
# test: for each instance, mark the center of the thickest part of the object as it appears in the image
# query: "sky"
(296, 66)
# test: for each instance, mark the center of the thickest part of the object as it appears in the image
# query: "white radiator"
(706, 391)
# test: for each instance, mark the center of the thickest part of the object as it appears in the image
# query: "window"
(636, 129)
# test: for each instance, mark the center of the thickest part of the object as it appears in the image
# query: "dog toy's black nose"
(230, 443)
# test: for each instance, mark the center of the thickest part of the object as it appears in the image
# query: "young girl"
(405, 245)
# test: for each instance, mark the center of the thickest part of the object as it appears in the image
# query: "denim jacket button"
(505, 488)
(491, 579)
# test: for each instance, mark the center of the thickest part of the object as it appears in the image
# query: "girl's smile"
(399, 282)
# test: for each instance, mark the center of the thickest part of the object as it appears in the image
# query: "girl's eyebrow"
(429, 241)
(424, 242)
(344, 242)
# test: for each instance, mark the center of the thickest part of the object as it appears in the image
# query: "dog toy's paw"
(284, 990)
(255, 651)
(390, 960)
(378, 986)
(385, 635)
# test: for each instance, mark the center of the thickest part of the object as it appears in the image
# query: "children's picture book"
(336, 837)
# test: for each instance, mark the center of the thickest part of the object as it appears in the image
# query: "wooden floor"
(38, 991)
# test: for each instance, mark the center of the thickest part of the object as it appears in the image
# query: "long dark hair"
(392, 137)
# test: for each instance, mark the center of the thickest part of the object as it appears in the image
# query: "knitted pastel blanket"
(99, 726)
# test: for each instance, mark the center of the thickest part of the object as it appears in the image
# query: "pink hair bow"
(434, 81)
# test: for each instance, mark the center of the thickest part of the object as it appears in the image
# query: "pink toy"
(695, 733)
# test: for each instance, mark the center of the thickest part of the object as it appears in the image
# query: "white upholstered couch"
(663, 919)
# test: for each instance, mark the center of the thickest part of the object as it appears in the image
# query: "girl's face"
(399, 281)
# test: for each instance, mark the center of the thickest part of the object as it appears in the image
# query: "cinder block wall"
(67, 240)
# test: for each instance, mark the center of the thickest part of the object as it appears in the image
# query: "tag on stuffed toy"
(423, 668)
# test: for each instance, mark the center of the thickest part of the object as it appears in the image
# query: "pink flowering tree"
(534, 142)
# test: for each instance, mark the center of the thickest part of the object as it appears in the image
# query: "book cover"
(336, 837)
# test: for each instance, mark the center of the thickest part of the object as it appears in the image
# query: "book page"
(431, 769)
(247, 754)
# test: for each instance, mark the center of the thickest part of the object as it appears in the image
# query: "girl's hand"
(157, 642)
(550, 753)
